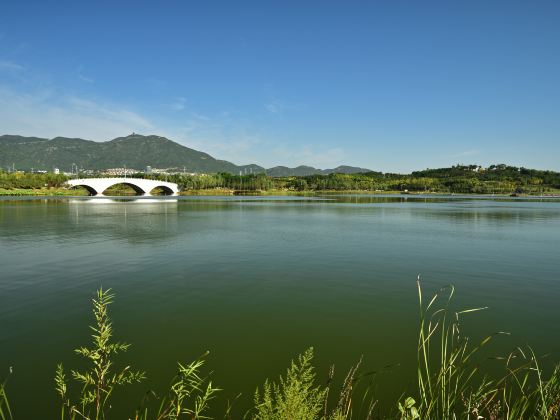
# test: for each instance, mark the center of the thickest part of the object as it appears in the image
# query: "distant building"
(172, 171)
(148, 169)
(56, 171)
(120, 171)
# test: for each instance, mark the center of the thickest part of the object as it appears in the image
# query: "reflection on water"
(87, 219)
(105, 200)
(134, 220)
(258, 279)
(435, 198)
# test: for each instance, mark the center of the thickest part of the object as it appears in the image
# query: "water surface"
(256, 280)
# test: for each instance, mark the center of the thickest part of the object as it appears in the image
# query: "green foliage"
(298, 396)
(408, 409)
(295, 397)
(188, 396)
(22, 180)
(460, 179)
(496, 179)
(98, 382)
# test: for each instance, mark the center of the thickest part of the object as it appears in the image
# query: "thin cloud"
(179, 104)
(48, 114)
(82, 76)
(85, 78)
(10, 66)
(273, 107)
(46, 110)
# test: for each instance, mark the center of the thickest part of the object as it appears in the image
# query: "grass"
(451, 381)
(41, 192)
(5, 411)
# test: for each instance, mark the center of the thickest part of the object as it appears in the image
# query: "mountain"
(345, 170)
(278, 171)
(134, 151)
(299, 171)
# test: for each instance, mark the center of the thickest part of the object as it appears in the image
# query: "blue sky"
(388, 85)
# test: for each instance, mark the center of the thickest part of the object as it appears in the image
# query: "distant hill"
(279, 171)
(135, 151)
(343, 169)
(298, 171)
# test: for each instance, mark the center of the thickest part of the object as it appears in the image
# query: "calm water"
(257, 280)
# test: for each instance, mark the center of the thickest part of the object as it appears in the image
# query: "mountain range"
(134, 151)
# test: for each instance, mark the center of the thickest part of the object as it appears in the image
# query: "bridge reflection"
(135, 220)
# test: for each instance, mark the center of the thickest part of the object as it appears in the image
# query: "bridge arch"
(166, 190)
(89, 189)
(97, 186)
(138, 190)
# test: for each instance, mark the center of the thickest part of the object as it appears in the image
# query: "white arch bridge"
(96, 186)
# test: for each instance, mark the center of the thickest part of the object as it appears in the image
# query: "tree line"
(496, 179)
(465, 179)
(13, 180)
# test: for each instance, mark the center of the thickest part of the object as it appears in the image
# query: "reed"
(451, 383)
(5, 411)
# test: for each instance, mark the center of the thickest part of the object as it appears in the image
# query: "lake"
(257, 280)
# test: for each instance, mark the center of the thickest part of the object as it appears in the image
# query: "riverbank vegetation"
(498, 179)
(472, 179)
(453, 381)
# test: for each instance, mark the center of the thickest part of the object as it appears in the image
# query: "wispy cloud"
(10, 66)
(273, 107)
(220, 135)
(85, 78)
(179, 103)
(82, 76)
(31, 104)
(47, 113)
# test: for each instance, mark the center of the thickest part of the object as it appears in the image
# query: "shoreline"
(61, 192)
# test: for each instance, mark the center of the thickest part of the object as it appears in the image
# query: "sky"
(387, 85)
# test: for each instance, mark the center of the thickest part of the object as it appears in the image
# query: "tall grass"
(5, 411)
(451, 382)
(446, 367)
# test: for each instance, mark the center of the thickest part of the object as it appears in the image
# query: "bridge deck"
(97, 186)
